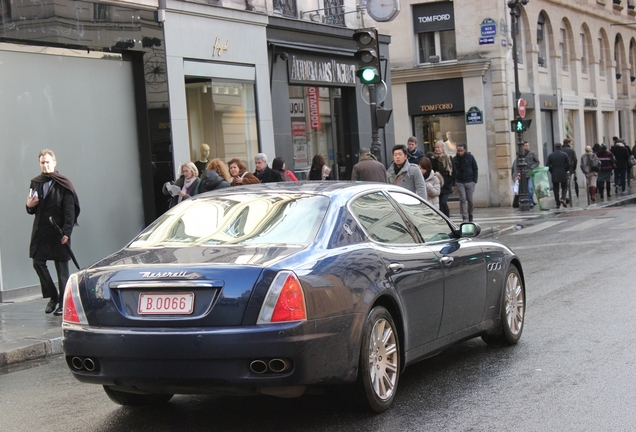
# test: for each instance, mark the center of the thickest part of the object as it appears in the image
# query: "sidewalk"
(27, 333)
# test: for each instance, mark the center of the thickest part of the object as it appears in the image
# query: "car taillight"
(73, 310)
(285, 300)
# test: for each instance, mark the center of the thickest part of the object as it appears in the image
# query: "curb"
(28, 349)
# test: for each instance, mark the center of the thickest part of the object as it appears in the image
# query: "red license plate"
(166, 303)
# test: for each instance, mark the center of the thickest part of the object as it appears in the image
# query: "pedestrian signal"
(520, 125)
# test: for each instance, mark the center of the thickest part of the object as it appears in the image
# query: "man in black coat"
(621, 154)
(264, 173)
(466, 173)
(559, 164)
(51, 195)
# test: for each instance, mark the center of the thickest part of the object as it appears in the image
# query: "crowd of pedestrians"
(433, 176)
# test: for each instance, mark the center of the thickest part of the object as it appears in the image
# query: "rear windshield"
(249, 219)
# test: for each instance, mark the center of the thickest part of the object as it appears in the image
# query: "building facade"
(125, 92)
(453, 78)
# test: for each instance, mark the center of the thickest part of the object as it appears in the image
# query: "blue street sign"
(474, 116)
(488, 28)
(486, 40)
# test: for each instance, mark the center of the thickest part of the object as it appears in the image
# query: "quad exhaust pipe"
(275, 365)
(85, 364)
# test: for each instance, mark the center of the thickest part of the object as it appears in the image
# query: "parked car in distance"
(271, 289)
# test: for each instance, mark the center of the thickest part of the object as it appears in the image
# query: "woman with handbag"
(590, 165)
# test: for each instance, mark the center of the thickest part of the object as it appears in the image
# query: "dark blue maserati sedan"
(275, 288)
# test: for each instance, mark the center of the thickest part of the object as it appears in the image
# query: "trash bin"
(541, 180)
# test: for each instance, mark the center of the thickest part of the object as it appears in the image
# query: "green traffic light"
(368, 75)
(519, 126)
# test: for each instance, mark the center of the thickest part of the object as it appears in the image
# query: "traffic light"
(367, 55)
(520, 125)
(382, 116)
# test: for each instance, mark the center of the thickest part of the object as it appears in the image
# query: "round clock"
(383, 10)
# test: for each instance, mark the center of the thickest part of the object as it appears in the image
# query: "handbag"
(631, 161)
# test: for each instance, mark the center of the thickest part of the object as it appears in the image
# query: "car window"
(429, 223)
(380, 220)
(238, 219)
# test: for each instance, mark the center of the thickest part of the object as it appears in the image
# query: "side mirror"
(470, 229)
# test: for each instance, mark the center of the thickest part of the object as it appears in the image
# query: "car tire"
(513, 309)
(136, 399)
(379, 367)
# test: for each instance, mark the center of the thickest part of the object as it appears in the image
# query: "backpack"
(595, 164)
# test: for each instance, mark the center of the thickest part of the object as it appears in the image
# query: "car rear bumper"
(201, 360)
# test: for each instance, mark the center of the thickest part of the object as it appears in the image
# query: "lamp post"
(524, 203)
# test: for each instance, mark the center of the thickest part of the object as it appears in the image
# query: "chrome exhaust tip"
(279, 365)
(77, 363)
(258, 367)
(89, 364)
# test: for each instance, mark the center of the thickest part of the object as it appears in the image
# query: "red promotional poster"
(314, 109)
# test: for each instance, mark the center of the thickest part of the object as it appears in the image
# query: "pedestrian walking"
(368, 169)
(414, 154)
(568, 148)
(559, 163)
(590, 165)
(52, 197)
(621, 155)
(443, 164)
(608, 163)
(240, 174)
(532, 161)
(216, 176)
(405, 174)
(318, 170)
(466, 174)
(186, 186)
(434, 181)
(264, 173)
(278, 164)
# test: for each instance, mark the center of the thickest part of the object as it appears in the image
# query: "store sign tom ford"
(321, 71)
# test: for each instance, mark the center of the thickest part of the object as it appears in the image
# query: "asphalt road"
(573, 370)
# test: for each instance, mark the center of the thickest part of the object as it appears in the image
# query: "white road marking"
(630, 224)
(587, 224)
(537, 228)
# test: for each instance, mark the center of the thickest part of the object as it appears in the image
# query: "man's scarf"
(62, 181)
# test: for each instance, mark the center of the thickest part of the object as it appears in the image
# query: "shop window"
(314, 127)
(222, 114)
(437, 46)
(448, 128)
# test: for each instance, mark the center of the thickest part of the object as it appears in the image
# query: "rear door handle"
(396, 268)
(447, 260)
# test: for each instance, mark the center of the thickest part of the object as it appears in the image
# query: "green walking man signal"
(520, 125)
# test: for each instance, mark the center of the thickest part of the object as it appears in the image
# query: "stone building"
(452, 72)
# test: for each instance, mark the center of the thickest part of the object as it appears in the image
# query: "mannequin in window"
(449, 145)
(204, 151)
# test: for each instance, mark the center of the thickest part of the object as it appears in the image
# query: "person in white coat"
(434, 181)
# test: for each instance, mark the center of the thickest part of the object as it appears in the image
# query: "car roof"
(344, 189)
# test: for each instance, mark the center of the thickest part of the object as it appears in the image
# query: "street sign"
(521, 107)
